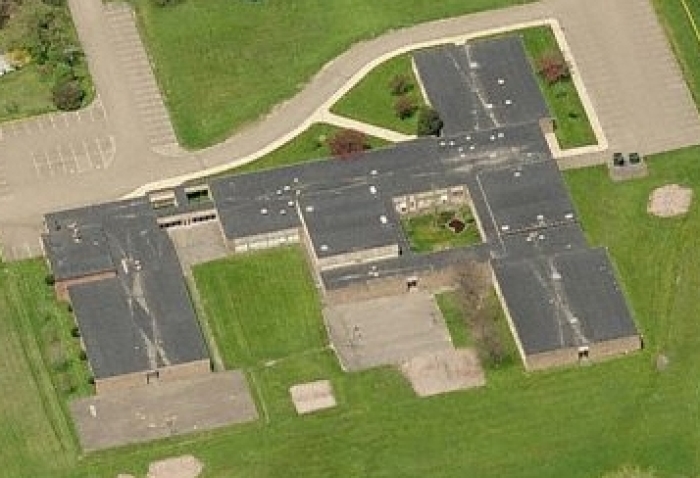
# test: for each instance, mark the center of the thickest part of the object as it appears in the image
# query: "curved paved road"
(110, 149)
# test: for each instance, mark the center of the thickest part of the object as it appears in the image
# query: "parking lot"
(74, 157)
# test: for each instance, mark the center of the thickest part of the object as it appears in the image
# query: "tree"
(553, 68)
(347, 142)
(400, 84)
(405, 107)
(429, 122)
(68, 95)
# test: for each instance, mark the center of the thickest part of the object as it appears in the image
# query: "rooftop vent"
(569, 215)
(290, 203)
(309, 208)
(508, 102)
(517, 174)
(501, 134)
(287, 187)
(468, 138)
(501, 81)
(324, 247)
(283, 212)
(383, 219)
(540, 217)
(296, 180)
(505, 227)
(263, 211)
(373, 189)
(373, 172)
(488, 106)
(279, 192)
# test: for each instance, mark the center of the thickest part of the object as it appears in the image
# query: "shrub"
(75, 332)
(68, 95)
(405, 107)
(429, 122)
(400, 85)
(347, 142)
(553, 68)
(50, 280)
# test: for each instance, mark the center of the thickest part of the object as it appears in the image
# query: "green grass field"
(685, 43)
(371, 100)
(451, 309)
(429, 232)
(223, 63)
(24, 93)
(308, 146)
(572, 127)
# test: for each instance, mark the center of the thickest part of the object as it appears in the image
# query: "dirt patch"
(185, 466)
(313, 396)
(442, 372)
(670, 200)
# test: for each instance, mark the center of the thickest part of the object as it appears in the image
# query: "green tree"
(68, 95)
(429, 122)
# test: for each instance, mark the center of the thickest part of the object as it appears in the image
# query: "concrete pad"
(386, 331)
(442, 372)
(312, 396)
(185, 466)
(199, 243)
(163, 409)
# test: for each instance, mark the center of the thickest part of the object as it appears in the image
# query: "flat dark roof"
(348, 219)
(548, 240)
(481, 85)
(525, 197)
(568, 299)
(77, 242)
(143, 318)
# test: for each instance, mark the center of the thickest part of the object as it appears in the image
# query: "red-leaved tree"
(347, 143)
(553, 68)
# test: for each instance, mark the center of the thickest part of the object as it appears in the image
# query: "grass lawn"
(25, 93)
(430, 232)
(371, 101)
(571, 122)
(308, 146)
(36, 438)
(451, 309)
(684, 41)
(223, 63)
(576, 422)
(271, 307)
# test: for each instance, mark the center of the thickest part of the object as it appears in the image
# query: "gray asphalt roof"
(548, 240)
(567, 299)
(348, 219)
(528, 196)
(143, 318)
(77, 242)
(481, 85)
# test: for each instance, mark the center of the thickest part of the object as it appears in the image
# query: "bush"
(50, 280)
(429, 122)
(405, 107)
(347, 142)
(75, 332)
(68, 95)
(400, 85)
(553, 68)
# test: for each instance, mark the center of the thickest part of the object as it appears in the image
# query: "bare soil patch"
(442, 372)
(312, 396)
(185, 466)
(670, 200)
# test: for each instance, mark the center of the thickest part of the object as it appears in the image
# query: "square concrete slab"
(313, 396)
(442, 372)
(162, 410)
(386, 331)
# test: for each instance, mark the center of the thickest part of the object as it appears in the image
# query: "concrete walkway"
(632, 80)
